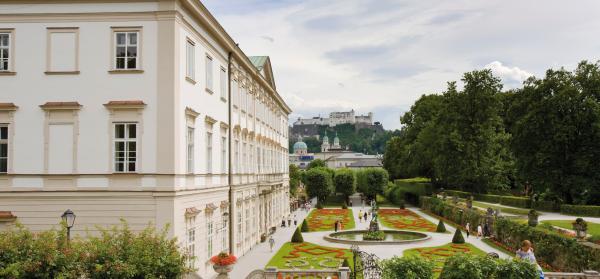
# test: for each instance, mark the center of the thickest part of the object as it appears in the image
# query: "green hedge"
(409, 191)
(580, 210)
(461, 266)
(545, 206)
(516, 201)
(560, 252)
(488, 198)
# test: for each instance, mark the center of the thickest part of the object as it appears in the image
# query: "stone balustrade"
(274, 273)
(565, 275)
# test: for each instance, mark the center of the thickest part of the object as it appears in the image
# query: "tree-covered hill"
(359, 139)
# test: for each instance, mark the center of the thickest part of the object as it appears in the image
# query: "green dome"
(300, 146)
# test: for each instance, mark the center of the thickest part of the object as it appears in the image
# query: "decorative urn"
(223, 264)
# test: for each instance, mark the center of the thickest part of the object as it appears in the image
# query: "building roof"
(258, 61)
(366, 164)
(350, 155)
(300, 145)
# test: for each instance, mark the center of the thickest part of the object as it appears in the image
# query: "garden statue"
(533, 218)
(580, 228)
(488, 223)
(374, 225)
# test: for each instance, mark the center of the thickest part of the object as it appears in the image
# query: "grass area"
(516, 211)
(310, 256)
(404, 219)
(415, 180)
(439, 254)
(593, 228)
(324, 219)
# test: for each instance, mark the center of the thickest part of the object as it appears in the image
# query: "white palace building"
(129, 109)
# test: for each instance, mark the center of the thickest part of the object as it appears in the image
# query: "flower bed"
(404, 219)
(324, 219)
(439, 254)
(309, 256)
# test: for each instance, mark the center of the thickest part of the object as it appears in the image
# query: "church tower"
(336, 142)
(325, 145)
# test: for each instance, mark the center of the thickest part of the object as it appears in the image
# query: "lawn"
(593, 228)
(309, 256)
(515, 211)
(324, 219)
(439, 254)
(404, 219)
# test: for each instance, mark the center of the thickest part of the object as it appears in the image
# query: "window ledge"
(209, 91)
(223, 99)
(190, 80)
(50, 73)
(132, 71)
(7, 73)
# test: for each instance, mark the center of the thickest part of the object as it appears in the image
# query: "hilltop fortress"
(337, 118)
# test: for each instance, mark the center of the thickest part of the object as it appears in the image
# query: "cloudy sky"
(381, 55)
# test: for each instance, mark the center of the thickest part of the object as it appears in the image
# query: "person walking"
(365, 216)
(350, 203)
(479, 231)
(295, 220)
(360, 216)
(335, 226)
(289, 221)
(468, 229)
(271, 243)
(526, 253)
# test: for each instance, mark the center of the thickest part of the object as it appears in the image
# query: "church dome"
(300, 145)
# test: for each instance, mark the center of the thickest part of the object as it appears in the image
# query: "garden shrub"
(440, 227)
(304, 226)
(580, 210)
(516, 201)
(374, 235)
(407, 268)
(411, 191)
(458, 237)
(460, 266)
(346, 263)
(115, 253)
(297, 237)
(545, 206)
(488, 198)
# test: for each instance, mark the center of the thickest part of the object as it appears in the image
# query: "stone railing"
(565, 275)
(275, 273)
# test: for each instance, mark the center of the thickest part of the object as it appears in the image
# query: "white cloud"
(508, 74)
(387, 53)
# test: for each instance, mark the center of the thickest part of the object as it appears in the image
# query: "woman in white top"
(526, 253)
(479, 231)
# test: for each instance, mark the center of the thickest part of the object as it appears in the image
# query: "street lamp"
(68, 218)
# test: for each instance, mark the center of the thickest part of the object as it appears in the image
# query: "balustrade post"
(591, 274)
(270, 272)
(344, 272)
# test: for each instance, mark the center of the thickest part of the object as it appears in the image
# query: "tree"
(377, 179)
(316, 163)
(295, 179)
(345, 182)
(318, 183)
(297, 237)
(458, 237)
(304, 227)
(441, 227)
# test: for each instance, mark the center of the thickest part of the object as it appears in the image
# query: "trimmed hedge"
(458, 237)
(580, 210)
(461, 266)
(560, 252)
(408, 191)
(407, 268)
(440, 227)
(545, 206)
(297, 237)
(516, 201)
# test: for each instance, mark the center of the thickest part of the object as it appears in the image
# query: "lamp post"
(68, 218)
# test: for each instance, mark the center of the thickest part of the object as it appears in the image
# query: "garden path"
(551, 215)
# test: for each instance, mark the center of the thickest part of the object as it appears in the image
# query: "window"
(209, 152)
(237, 156)
(223, 155)
(234, 92)
(244, 157)
(125, 147)
(126, 53)
(209, 74)
(191, 239)
(247, 222)
(190, 60)
(224, 237)
(209, 237)
(239, 225)
(4, 51)
(190, 150)
(223, 82)
(3, 148)
(62, 50)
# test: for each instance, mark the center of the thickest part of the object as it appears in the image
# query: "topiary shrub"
(441, 227)
(346, 263)
(319, 205)
(458, 237)
(304, 226)
(462, 266)
(297, 237)
(407, 268)
(374, 235)
(345, 206)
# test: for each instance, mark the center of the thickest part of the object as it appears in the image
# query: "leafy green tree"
(316, 163)
(304, 227)
(295, 179)
(318, 183)
(407, 268)
(345, 182)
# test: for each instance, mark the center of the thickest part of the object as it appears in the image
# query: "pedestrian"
(479, 231)
(335, 226)
(289, 221)
(350, 203)
(467, 229)
(365, 216)
(360, 216)
(271, 243)
(283, 223)
(526, 253)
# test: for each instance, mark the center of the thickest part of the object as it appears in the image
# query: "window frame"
(125, 140)
(209, 146)
(209, 236)
(223, 83)
(6, 142)
(139, 44)
(190, 149)
(190, 60)
(224, 155)
(49, 62)
(209, 73)
(10, 32)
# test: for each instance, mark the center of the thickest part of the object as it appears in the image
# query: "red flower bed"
(405, 219)
(314, 250)
(223, 259)
(323, 219)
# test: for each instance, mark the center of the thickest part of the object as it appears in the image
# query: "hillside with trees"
(542, 138)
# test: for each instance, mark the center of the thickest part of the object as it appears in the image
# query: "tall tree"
(345, 182)
(318, 183)
(294, 179)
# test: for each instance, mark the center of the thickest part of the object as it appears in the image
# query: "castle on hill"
(337, 118)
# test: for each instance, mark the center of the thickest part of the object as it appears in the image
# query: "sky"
(382, 55)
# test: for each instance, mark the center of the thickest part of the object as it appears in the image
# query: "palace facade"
(144, 110)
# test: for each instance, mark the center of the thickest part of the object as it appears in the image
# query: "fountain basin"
(391, 237)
